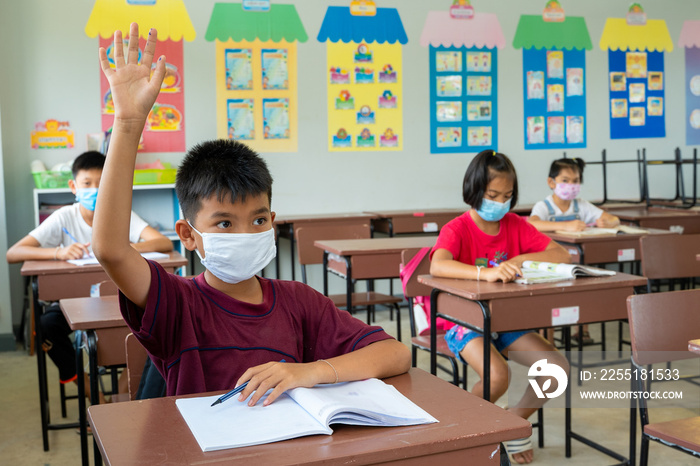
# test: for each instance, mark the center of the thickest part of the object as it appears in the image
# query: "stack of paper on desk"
(544, 272)
(621, 229)
(91, 260)
(298, 412)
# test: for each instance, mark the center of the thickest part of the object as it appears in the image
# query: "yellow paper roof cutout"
(618, 35)
(168, 17)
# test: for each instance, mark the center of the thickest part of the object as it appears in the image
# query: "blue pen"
(70, 236)
(235, 391)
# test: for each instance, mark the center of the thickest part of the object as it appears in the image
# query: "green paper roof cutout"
(230, 21)
(534, 32)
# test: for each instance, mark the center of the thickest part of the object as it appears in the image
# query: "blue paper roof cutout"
(339, 24)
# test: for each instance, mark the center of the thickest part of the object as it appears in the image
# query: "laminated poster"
(535, 85)
(274, 69)
(695, 119)
(479, 110)
(387, 100)
(388, 138)
(618, 81)
(637, 116)
(618, 108)
(574, 81)
(574, 129)
(637, 93)
(695, 85)
(655, 106)
(636, 64)
(555, 64)
(479, 62)
(479, 136)
(655, 80)
(450, 137)
(478, 85)
(276, 118)
(365, 116)
(448, 61)
(555, 130)
(449, 86)
(342, 139)
(239, 71)
(240, 119)
(555, 98)
(449, 110)
(535, 130)
(366, 138)
(344, 101)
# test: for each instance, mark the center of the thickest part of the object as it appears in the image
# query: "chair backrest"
(412, 288)
(136, 356)
(662, 323)
(670, 256)
(305, 237)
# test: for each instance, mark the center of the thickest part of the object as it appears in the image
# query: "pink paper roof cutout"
(483, 30)
(690, 34)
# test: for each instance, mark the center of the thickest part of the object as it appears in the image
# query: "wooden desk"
(98, 319)
(603, 249)
(469, 431)
(396, 222)
(366, 259)
(694, 346)
(506, 307)
(661, 218)
(288, 225)
(54, 280)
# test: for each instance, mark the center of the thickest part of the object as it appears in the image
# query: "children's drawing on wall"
(555, 130)
(618, 81)
(574, 129)
(52, 134)
(637, 93)
(274, 69)
(449, 111)
(695, 119)
(618, 108)
(479, 136)
(479, 62)
(574, 81)
(695, 85)
(637, 116)
(449, 86)
(535, 85)
(535, 130)
(239, 71)
(450, 137)
(164, 117)
(276, 118)
(479, 110)
(241, 123)
(636, 64)
(555, 98)
(655, 106)
(448, 61)
(555, 64)
(655, 80)
(478, 85)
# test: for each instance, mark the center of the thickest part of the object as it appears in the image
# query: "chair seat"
(365, 298)
(682, 432)
(423, 342)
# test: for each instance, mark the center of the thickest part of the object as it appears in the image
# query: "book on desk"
(92, 260)
(546, 272)
(618, 230)
(297, 413)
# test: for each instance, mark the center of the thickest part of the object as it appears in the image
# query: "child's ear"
(551, 183)
(71, 185)
(184, 231)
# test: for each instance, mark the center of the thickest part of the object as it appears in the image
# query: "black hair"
(487, 165)
(575, 164)
(88, 161)
(221, 167)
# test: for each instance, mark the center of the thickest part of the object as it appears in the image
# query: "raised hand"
(134, 90)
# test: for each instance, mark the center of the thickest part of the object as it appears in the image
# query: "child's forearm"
(381, 359)
(453, 269)
(554, 253)
(543, 225)
(29, 253)
(154, 245)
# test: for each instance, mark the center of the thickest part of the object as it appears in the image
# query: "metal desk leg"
(94, 385)
(433, 330)
(79, 364)
(41, 366)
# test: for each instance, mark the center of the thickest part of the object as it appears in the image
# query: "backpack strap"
(408, 269)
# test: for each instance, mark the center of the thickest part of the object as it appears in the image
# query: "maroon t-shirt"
(202, 340)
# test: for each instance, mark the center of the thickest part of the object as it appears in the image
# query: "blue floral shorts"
(458, 337)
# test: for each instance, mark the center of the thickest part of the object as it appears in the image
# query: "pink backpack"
(421, 304)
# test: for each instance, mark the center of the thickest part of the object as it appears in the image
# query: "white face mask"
(235, 257)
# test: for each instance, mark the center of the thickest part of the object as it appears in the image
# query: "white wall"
(50, 70)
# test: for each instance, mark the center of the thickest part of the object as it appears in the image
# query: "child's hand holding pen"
(506, 271)
(77, 250)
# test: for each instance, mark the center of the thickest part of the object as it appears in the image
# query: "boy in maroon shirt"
(226, 326)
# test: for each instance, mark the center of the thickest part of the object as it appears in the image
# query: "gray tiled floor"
(20, 436)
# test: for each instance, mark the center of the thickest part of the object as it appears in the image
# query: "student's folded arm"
(607, 220)
(380, 359)
(542, 225)
(153, 241)
(28, 248)
(444, 265)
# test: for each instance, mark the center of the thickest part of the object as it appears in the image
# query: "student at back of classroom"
(226, 326)
(67, 234)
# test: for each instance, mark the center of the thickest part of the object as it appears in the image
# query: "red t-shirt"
(469, 245)
(203, 340)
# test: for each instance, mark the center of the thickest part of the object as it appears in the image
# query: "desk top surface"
(642, 212)
(92, 313)
(417, 212)
(466, 421)
(30, 268)
(283, 219)
(481, 290)
(346, 247)
(564, 238)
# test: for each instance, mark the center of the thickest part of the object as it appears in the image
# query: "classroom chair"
(412, 289)
(136, 356)
(661, 323)
(307, 254)
(672, 258)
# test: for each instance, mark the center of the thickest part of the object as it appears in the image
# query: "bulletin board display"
(165, 125)
(554, 93)
(365, 98)
(692, 92)
(636, 83)
(463, 99)
(256, 88)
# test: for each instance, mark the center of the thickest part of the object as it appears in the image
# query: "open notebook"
(91, 260)
(618, 230)
(297, 413)
(544, 272)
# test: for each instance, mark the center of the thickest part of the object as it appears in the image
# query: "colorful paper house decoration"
(256, 74)
(364, 58)
(554, 80)
(165, 127)
(637, 78)
(690, 40)
(463, 81)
